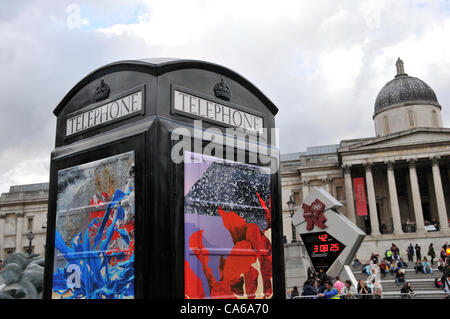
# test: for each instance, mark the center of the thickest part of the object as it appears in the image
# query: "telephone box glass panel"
(227, 229)
(94, 236)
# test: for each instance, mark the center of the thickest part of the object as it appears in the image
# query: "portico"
(406, 177)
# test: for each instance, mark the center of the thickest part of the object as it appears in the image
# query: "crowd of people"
(319, 285)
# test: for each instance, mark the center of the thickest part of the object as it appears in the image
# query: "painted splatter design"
(94, 244)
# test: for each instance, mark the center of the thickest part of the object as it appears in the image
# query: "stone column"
(374, 224)
(305, 188)
(431, 197)
(2, 234)
(440, 199)
(326, 182)
(349, 193)
(19, 226)
(417, 203)
(395, 208)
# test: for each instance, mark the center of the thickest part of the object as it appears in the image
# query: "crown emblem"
(102, 91)
(222, 91)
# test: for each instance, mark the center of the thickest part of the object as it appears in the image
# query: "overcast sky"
(321, 62)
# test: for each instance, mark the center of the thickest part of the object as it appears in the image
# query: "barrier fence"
(390, 295)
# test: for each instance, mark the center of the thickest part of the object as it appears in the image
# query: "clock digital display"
(322, 248)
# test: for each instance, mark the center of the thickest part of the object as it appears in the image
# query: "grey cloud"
(43, 59)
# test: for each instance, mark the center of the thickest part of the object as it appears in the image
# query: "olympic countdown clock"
(322, 248)
(331, 240)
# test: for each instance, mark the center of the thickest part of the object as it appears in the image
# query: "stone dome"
(404, 90)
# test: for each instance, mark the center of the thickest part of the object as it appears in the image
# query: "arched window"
(435, 118)
(387, 130)
(411, 118)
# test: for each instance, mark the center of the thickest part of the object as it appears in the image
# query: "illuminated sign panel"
(322, 248)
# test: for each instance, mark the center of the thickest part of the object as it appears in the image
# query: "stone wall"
(383, 243)
(296, 264)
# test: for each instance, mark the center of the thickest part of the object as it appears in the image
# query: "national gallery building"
(395, 186)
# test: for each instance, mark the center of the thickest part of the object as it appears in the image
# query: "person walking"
(443, 253)
(431, 253)
(410, 252)
(418, 255)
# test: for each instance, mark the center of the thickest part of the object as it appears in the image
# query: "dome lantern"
(400, 68)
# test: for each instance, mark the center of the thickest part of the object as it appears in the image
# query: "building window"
(297, 198)
(340, 193)
(9, 251)
(411, 118)
(435, 118)
(387, 130)
(30, 223)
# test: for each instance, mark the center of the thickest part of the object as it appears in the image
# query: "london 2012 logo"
(313, 215)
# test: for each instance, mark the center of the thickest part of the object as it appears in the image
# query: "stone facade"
(397, 119)
(406, 172)
(22, 209)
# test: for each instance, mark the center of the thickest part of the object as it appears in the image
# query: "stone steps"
(408, 276)
(422, 284)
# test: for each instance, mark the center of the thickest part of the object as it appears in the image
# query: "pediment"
(402, 139)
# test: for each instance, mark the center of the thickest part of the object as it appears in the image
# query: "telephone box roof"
(159, 66)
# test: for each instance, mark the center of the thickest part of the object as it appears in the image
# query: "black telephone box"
(163, 184)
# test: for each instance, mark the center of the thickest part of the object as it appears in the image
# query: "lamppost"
(30, 237)
(291, 204)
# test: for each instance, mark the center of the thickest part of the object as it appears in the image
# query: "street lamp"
(30, 237)
(291, 204)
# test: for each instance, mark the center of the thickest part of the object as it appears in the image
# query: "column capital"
(368, 165)
(20, 214)
(412, 162)
(327, 180)
(2, 216)
(306, 182)
(435, 159)
(390, 164)
(347, 168)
